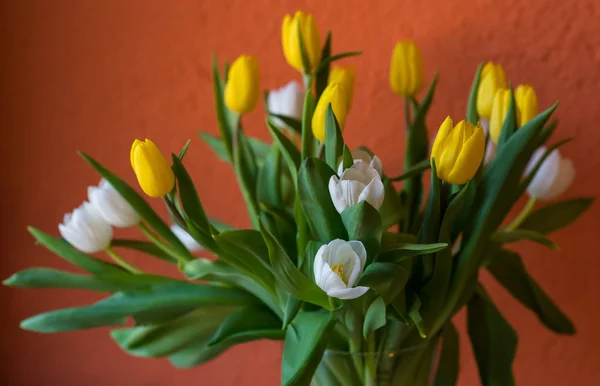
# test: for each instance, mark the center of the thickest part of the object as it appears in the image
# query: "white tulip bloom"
(360, 155)
(86, 229)
(554, 176)
(287, 101)
(338, 266)
(360, 182)
(186, 239)
(112, 206)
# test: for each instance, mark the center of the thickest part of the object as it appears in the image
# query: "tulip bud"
(554, 176)
(526, 102)
(335, 94)
(359, 155)
(291, 42)
(337, 267)
(360, 182)
(406, 69)
(492, 78)
(242, 90)
(112, 206)
(287, 101)
(499, 112)
(86, 229)
(186, 239)
(458, 151)
(151, 168)
(346, 76)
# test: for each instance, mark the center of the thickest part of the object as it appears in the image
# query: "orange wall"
(94, 75)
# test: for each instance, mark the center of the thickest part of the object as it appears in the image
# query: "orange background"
(93, 75)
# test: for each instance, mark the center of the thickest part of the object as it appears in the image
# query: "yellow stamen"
(338, 269)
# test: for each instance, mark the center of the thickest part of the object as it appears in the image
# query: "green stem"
(357, 360)
(321, 151)
(514, 224)
(370, 362)
(119, 260)
(162, 246)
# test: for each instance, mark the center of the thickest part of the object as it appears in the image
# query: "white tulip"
(490, 152)
(338, 266)
(112, 206)
(360, 155)
(86, 229)
(287, 101)
(554, 176)
(186, 239)
(360, 182)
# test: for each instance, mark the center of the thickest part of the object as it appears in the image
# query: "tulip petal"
(348, 293)
(337, 194)
(469, 159)
(330, 280)
(361, 252)
(318, 263)
(440, 138)
(373, 193)
(566, 175)
(541, 184)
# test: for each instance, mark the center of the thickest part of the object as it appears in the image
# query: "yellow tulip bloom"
(242, 90)
(492, 79)
(458, 151)
(153, 172)
(338, 97)
(406, 69)
(291, 42)
(526, 100)
(499, 112)
(347, 76)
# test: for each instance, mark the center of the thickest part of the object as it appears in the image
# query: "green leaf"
(323, 219)
(305, 341)
(259, 147)
(331, 59)
(144, 247)
(513, 236)
(494, 341)
(507, 267)
(375, 317)
(347, 160)
(415, 170)
(220, 225)
(52, 278)
(472, 115)
(405, 251)
(165, 298)
(196, 354)
(510, 124)
(292, 306)
(288, 275)
(363, 223)
(226, 119)
(161, 340)
(141, 207)
(448, 366)
(307, 134)
(387, 279)
(322, 74)
(527, 180)
(414, 311)
(293, 123)
(430, 229)
(282, 226)
(556, 216)
(248, 324)
(244, 164)
(72, 255)
(303, 53)
(289, 151)
(269, 180)
(184, 150)
(392, 210)
(334, 142)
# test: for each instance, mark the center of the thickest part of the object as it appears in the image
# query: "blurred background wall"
(93, 75)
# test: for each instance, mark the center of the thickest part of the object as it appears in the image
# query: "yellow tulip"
(347, 76)
(499, 112)
(406, 69)
(492, 79)
(336, 95)
(458, 151)
(291, 42)
(242, 90)
(526, 102)
(153, 172)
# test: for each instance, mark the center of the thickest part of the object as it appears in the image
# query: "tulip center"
(338, 269)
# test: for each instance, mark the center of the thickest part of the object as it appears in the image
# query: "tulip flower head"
(499, 112)
(458, 151)
(347, 76)
(153, 172)
(554, 176)
(526, 100)
(112, 206)
(242, 90)
(335, 94)
(492, 78)
(291, 42)
(360, 155)
(86, 229)
(406, 69)
(287, 101)
(186, 239)
(360, 182)
(337, 267)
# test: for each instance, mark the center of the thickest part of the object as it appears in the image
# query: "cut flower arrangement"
(359, 273)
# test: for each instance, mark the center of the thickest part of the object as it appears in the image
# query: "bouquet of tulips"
(359, 273)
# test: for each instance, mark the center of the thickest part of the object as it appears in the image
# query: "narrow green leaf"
(331, 59)
(556, 216)
(416, 170)
(472, 115)
(334, 142)
(507, 267)
(303, 53)
(375, 317)
(269, 180)
(259, 147)
(494, 341)
(52, 278)
(448, 366)
(510, 124)
(322, 74)
(141, 207)
(414, 312)
(244, 164)
(292, 306)
(288, 275)
(305, 342)
(224, 116)
(289, 151)
(196, 354)
(194, 211)
(248, 324)
(144, 247)
(392, 210)
(347, 160)
(363, 223)
(184, 150)
(72, 255)
(387, 279)
(293, 123)
(513, 236)
(307, 134)
(405, 251)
